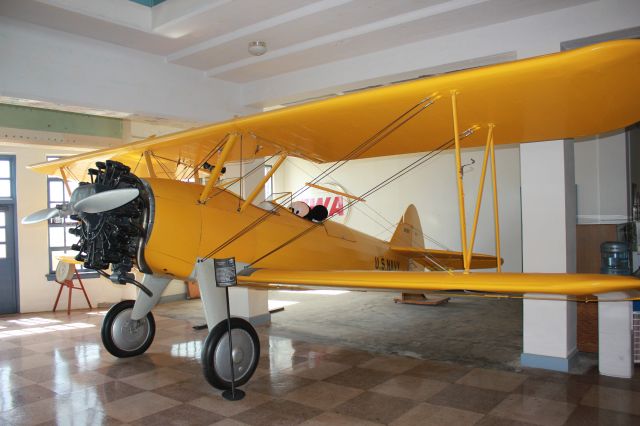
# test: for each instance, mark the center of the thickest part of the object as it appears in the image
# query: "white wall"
(432, 188)
(53, 66)
(601, 179)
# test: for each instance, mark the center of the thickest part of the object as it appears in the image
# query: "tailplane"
(409, 231)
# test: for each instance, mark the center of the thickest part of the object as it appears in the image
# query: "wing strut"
(461, 210)
(149, 163)
(215, 173)
(262, 182)
(467, 246)
(65, 181)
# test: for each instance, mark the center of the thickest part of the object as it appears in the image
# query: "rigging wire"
(423, 159)
(363, 147)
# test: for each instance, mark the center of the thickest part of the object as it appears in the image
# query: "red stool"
(65, 272)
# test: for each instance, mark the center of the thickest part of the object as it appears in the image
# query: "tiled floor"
(53, 370)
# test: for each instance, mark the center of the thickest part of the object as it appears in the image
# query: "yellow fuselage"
(184, 230)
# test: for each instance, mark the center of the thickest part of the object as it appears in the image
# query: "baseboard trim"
(549, 362)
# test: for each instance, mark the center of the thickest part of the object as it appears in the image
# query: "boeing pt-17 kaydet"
(137, 208)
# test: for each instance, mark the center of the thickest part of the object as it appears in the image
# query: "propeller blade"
(40, 215)
(107, 200)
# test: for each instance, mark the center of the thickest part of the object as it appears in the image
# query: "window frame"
(51, 275)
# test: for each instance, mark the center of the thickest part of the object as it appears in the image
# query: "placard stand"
(226, 277)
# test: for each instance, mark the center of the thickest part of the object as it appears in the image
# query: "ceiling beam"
(346, 34)
(259, 26)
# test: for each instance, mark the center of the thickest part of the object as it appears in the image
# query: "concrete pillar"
(615, 335)
(548, 245)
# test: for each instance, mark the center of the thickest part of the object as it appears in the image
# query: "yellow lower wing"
(569, 284)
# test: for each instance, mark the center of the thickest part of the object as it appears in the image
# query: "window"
(3, 235)
(5, 179)
(60, 240)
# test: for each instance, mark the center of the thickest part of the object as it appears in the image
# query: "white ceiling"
(212, 35)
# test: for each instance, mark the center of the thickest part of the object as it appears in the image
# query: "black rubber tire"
(209, 348)
(107, 324)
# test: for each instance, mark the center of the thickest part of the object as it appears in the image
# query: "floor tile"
(10, 381)
(126, 368)
(277, 412)
(157, 377)
(375, 407)
(490, 420)
(533, 410)
(361, 378)
(180, 415)
(10, 399)
(137, 406)
(219, 405)
(91, 416)
(67, 384)
(350, 357)
(613, 399)
(28, 362)
(16, 351)
(188, 390)
(334, 419)
(468, 398)
(503, 381)
(46, 373)
(442, 371)
(322, 395)
(109, 391)
(31, 414)
(277, 384)
(316, 369)
(410, 387)
(229, 422)
(591, 416)
(391, 364)
(569, 391)
(428, 415)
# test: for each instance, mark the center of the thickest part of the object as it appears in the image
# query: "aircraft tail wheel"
(124, 337)
(215, 353)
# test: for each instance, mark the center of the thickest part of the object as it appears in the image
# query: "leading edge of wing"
(519, 283)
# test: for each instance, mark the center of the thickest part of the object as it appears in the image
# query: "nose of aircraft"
(97, 202)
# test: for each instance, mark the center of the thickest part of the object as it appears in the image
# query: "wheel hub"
(243, 354)
(128, 334)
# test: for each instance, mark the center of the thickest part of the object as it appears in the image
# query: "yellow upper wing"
(566, 95)
(569, 284)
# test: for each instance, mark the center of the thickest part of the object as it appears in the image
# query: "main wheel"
(215, 353)
(124, 337)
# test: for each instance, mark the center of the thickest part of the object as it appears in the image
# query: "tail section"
(409, 231)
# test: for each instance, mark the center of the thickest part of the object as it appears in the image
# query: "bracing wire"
(421, 160)
(359, 150)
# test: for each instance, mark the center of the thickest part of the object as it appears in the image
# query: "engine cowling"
(115, 237)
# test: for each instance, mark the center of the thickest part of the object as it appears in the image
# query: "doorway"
(8, 269)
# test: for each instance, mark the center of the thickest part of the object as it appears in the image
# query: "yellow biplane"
(138, 208)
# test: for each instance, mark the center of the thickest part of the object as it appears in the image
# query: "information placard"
(225, 272)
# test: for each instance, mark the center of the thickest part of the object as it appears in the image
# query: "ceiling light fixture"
(257, 48)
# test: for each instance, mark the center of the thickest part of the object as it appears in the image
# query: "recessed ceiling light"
(257, 48)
